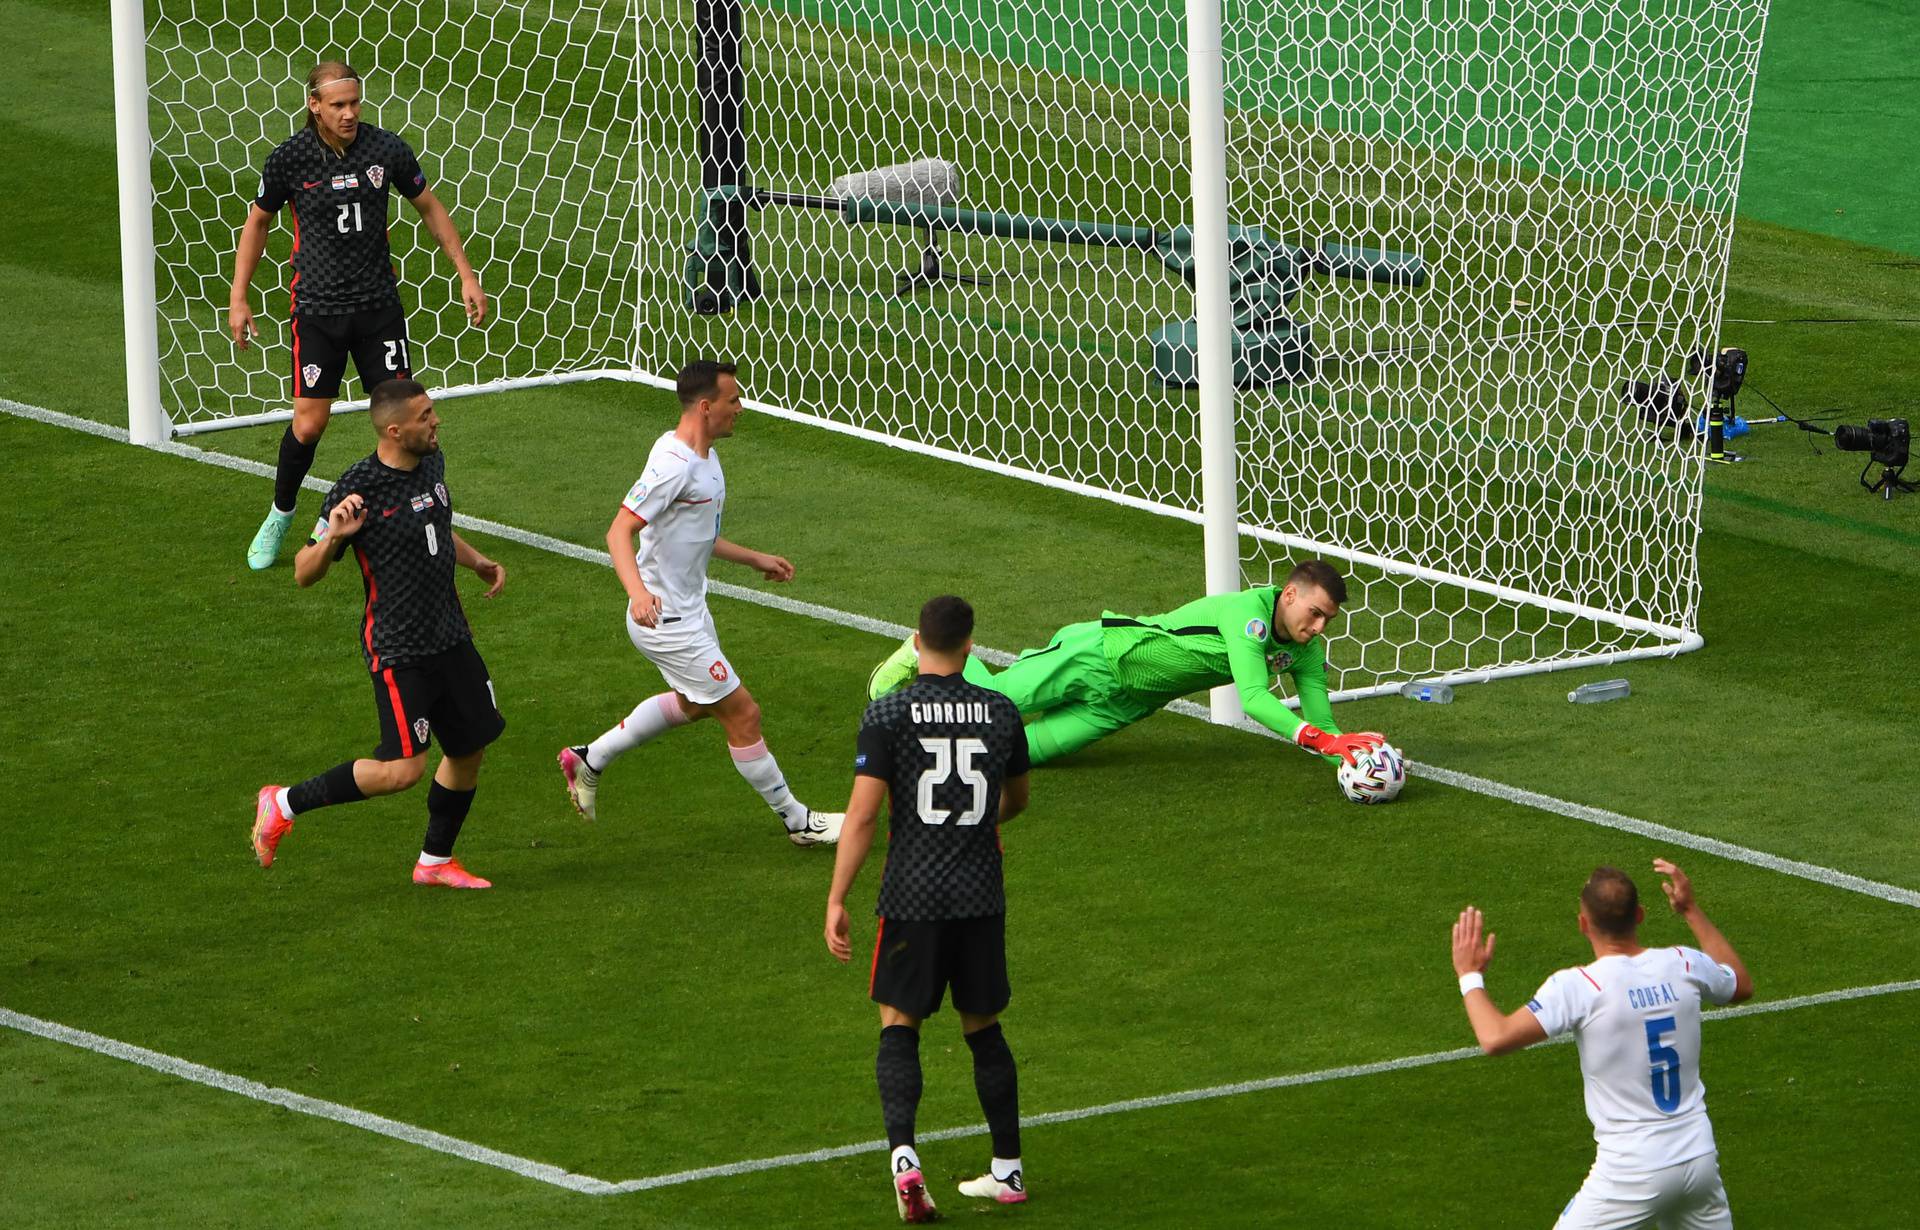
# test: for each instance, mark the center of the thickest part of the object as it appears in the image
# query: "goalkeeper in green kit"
(1104, 675)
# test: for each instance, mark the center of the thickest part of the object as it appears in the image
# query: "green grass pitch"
(1191, 907)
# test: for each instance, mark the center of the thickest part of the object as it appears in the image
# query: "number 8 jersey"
(405, 552)
(1636, 1020)
(943, 746)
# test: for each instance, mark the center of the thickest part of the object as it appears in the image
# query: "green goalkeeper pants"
(1068, 689)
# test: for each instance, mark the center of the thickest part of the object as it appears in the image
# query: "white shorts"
(1688, 1196)
(687, 653)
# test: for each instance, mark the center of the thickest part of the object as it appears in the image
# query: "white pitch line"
(1672, 836)
(1222, 1091)
(1827, 876)
(1627, 824)
(556, 1176)
(587, 1185)
(300, 1102)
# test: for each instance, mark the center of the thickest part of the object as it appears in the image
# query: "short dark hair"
(701, 378)
(1611, 902)
(1320, 573)
(945, 623)
(390, 397)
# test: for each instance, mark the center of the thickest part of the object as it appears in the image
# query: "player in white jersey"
(676, 509)
(1635, 1015)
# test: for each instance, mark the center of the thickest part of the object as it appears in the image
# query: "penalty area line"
(1486, 787)
(1236, 1089)
(300, 1103)
(587, 1185)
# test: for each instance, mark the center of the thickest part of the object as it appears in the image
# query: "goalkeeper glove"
(1346, 747)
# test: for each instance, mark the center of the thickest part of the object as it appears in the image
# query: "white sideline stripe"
(228, 1083)
(588, 1185)
(1463, 781)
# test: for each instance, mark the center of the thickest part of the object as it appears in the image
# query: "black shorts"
(914, 961)
(376, 338)
(448, 694)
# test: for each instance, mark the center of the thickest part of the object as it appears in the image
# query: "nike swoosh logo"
(389, 512)
(315, 184)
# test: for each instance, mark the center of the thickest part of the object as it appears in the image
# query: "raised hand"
(1676, 886)
(347, 517)
(1471, 952)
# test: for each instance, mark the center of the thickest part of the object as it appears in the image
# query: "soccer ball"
(1375, 776)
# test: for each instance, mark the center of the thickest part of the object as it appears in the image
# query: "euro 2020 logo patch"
(1257, 629)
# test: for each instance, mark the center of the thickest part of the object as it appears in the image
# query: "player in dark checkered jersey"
(344, 297)
(393, 509)
(951, 758)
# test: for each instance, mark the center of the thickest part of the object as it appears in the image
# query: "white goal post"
(1357, 278)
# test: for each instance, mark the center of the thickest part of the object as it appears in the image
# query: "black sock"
(997, 1084)
(897, 1068)
(446, 812)
(295, 460)
(336, 785)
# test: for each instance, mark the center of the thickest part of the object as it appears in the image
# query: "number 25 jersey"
(944, 747)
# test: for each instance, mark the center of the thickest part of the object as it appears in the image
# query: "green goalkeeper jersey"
(1225, 638)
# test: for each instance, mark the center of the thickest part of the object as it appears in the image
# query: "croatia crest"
(440, 489)
(312, 372)
(420, 730)
(377, 176)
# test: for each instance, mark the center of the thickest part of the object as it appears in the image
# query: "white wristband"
(1472, 982)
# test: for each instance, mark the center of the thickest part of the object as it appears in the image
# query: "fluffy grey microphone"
(924, 181)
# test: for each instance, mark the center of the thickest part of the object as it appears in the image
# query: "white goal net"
(962, 226)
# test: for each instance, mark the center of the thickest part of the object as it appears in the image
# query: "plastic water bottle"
(1432, 693)
(1594, 693)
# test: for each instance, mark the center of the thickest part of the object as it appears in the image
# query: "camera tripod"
(1890, 482)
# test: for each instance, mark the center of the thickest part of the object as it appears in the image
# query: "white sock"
(1005, 1168)
(284, 514)
(285, 798)
(434, 860)
(762, 772)
(653, 716)
(905, 1154)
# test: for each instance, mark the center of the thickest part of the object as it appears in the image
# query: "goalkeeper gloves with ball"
(1346, 747)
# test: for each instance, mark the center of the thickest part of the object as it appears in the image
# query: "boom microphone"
(924, 181)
